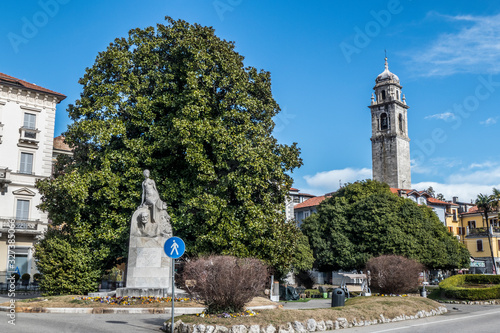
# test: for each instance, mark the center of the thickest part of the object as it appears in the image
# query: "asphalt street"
(460, 318)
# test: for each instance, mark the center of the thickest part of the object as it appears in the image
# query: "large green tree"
(364, 220)
(176, 100)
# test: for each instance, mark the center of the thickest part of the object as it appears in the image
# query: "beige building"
(27, 118)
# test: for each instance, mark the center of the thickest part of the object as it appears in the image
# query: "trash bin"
(338, 297)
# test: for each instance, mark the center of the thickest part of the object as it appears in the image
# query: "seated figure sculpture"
(158, 221)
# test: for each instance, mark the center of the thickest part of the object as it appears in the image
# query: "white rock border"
(309, 325)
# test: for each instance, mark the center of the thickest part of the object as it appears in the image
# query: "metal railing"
(19, 224)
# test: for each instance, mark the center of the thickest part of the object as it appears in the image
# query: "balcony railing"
(29, 135)
(19, 224)
(482, 231)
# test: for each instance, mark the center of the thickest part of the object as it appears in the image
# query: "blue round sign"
(174, 247)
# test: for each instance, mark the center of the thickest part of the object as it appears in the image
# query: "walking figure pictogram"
(174, 248)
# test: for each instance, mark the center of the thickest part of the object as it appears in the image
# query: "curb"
(308, 326)
(177, 310)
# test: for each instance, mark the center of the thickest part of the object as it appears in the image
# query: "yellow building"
(476, 239)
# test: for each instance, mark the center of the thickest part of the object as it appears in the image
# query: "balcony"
(29, 136)
(4, 179)
(21, 226)
(483, 232)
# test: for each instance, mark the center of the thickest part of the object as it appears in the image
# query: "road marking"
(438, 322)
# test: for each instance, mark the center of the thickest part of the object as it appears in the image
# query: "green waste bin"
(338, 297)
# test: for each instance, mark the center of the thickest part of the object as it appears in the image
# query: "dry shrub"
(225, 283)
(392, 274)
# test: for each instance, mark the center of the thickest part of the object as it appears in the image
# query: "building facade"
(476, 240)
(390, 141)
(27, 118)
(295, 198)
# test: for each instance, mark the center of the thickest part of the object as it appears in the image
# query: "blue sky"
(323, 57)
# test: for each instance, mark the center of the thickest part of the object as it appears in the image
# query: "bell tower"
(390, 141)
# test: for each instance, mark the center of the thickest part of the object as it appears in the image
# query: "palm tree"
(485, 204)
(496, 199)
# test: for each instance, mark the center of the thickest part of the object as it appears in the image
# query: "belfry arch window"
(397, 95)
(383, 94)
(384, 121)
(401, 124)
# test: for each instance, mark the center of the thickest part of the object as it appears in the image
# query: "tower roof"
(386, 75)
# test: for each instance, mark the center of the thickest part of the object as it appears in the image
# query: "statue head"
(146, 173)
(144, 218)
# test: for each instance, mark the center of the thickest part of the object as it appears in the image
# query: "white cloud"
(443, 116)
(474, 48)
(489, 121)
(481, 165)
(467, 183)
(485, 176)
(464, 191)
(328, 181)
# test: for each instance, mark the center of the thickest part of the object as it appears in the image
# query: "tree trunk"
(494, 267)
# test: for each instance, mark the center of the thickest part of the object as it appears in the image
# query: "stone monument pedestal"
(149, 270)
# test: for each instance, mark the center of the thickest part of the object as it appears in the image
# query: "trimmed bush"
(26, 277)
(453, 287)
(391, 274)
(225, 283)
(311, 293)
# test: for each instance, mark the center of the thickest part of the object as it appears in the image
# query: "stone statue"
(151, 218)
(149, 269)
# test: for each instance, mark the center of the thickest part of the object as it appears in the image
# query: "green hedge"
(311, 293)
(452, 287)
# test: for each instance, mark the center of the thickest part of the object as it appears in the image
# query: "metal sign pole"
(174, 248)
(173, 295)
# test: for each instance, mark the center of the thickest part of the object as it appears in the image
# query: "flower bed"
(130, 300)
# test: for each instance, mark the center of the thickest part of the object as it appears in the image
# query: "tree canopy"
(364, 220)
(176, 100)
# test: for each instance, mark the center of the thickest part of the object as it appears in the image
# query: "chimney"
(455, 199)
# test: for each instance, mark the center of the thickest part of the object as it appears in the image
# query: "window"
(454, 215)
(471, 224)
(307, 213)
(23, 210)
(383, 94)
(29, 121)
(397, 95)
(450, 229)
(22, 260)
(461, 231)
(479, 244)
(400, 123)
(384, 122)
(26, 163)
(296, 199)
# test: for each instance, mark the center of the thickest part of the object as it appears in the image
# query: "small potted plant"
(16, 277)
(25, 280)
(36, 279)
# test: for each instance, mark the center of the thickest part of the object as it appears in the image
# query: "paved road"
(460, 318)
(69, 323)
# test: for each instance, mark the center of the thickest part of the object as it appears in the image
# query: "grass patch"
(359, 308)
